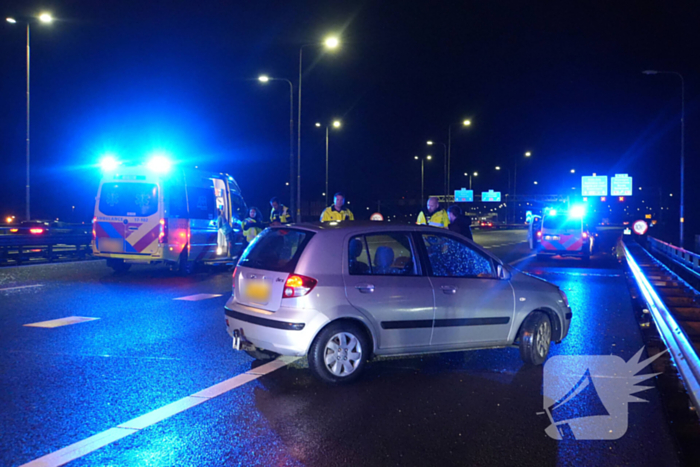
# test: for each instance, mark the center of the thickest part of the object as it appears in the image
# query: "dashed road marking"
(199, 296)
(21, 287)
(513, 263)
(503, 244)
(95, 442)
(55, 323)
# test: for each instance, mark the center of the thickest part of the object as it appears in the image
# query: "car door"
(385, 282)
(473, 307)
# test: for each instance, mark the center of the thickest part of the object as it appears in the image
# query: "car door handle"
(365, 288)
(448, 289)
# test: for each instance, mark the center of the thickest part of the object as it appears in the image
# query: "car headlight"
(564, 297)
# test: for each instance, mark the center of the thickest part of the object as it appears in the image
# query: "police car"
(564, 234)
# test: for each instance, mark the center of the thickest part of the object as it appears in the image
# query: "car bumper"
(282, 332)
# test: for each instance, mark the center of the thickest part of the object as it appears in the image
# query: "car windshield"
(562, 223)
(129, 199)
(276, 250)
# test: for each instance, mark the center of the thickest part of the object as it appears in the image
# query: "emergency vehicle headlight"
(109, 163)
(159, 163)
(577, 211)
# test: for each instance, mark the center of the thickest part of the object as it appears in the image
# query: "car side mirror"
(502, 272)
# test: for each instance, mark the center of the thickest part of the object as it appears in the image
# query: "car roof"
(361, 226)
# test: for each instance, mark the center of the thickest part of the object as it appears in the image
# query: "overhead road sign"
(491, 196)
(621, 185)
(596, 185)
(464, 196)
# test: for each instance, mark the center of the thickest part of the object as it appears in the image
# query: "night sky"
(560, 79)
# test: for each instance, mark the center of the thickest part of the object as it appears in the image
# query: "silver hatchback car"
(340, 293)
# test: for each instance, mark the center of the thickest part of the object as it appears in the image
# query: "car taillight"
(94, 235)
(298, 286)
(36, 231)
(233, 280)
(564, 297)
(163, 235)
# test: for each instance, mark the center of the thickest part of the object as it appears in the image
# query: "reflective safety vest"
(251, 228)
(437, 219)
(282, 217)
(332, 214)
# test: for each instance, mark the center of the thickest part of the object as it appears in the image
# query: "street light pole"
(44, 18)
(444, 146)
(422, 177)
(449, 149)
(336, 124)
(28, 213)
(330, 43)
(515, 185)
(682, 210)
(265, 79)
(508, 170)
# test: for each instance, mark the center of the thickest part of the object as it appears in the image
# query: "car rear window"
(562, 223)
(276, 250)
(128, 199)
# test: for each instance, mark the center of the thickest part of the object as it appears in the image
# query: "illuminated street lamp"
(655, 72)
(422, 176)
(329, 43)
(43, 18)
(267, 79)
(334, 124)
(464, 123)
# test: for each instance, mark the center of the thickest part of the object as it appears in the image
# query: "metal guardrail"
(676, 340)
(680, 256)
(18, 246)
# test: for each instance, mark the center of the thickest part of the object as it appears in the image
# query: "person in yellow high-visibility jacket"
(434, 215)
(253, 224)
(280, 213)
(336, 211)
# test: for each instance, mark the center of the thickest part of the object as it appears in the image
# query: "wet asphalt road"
(146, 350)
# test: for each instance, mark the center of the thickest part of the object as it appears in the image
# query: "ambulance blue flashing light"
(159, 163)
(552, 212)
(578, 211)
(109, 163)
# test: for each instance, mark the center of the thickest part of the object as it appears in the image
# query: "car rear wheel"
(535, 338)
(338, 353)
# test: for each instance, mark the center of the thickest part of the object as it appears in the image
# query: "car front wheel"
(338, 353)
(535, 338)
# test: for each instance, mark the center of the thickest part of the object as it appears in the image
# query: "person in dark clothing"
(458, 222)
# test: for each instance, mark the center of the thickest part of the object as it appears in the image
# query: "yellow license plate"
(258, 291)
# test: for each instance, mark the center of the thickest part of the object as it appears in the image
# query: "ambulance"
(155, 213)
(563, 233)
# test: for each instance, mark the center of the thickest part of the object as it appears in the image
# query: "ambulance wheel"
(118, 265)
(185, 267)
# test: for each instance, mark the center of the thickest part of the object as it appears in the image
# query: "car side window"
(452, 258)
(381, 254)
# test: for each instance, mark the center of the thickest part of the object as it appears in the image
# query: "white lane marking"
(95, 442)
(55, 323)
(86, 446)
(21, 287)
(513, 263)
(199, 296)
